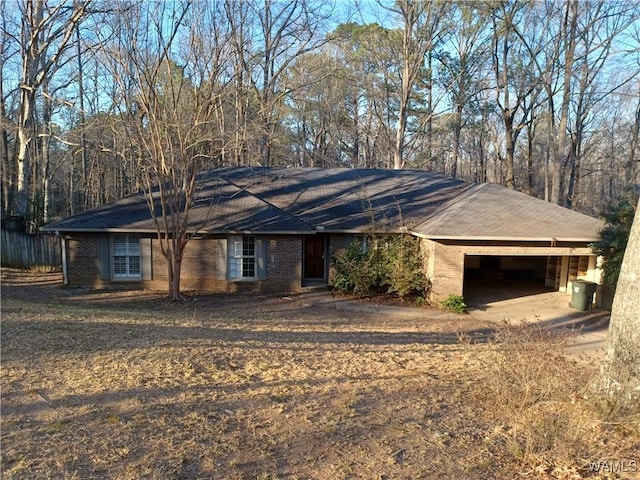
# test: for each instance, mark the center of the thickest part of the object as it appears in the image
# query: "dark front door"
(314, 246)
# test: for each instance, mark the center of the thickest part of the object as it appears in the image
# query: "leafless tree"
(171, 112)
(5, 125)
(462, 66)
(46, 35)
(514, 80)
(271, 35)
(421, 23)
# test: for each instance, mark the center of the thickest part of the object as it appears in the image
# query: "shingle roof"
(303, 200)
(349, 199)
(492, 212)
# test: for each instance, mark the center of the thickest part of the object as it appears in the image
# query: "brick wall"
(444, 267)
(443, 263)
(284, 263)
(199, 266)
(83, 260)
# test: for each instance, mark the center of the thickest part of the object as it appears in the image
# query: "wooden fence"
(32, 252)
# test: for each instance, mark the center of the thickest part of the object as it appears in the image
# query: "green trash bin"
(582, 293)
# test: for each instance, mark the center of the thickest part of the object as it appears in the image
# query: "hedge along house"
(276, 229)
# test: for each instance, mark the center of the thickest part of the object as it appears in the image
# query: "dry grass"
(119, 385)
(552, 424)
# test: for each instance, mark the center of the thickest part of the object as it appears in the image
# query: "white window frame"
(239, 259)
(129, 250)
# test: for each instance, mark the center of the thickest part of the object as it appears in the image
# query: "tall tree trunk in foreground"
(620, 369)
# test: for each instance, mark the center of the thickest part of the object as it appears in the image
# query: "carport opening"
(493, 278)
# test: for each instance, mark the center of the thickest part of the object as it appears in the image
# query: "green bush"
(453, 303)
(355, 270)
(618, 218)
(402, 264)
(391, 265)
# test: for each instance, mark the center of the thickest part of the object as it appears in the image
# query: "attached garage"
(504, 244)
(500, 277)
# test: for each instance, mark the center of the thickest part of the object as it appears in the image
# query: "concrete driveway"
(548, 308)
(520, 304)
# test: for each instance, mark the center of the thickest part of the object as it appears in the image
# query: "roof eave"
(506, 238)
(96, 230)
(192, 232)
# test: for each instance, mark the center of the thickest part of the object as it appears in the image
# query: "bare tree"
(273, 34)
(421, 23)
(568, 36)
(46, 34)
(515, 81)
(462, 65)
(7, 167)
(631, 170)
(602, 22)
(170, 110)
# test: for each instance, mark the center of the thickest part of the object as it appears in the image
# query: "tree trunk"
(175, 268)
(530, 188)
(569, 29)
(83, 125)
(632, 164)
(25, 135)
(7, 170)
(45, 142)
(510, 148)
(455, 150)
(620, 368)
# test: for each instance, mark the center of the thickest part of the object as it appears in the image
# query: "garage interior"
(494, 278)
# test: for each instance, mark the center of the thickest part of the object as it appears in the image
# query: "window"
(126, 257)
(242, 261)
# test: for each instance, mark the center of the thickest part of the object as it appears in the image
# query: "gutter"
(551, 240)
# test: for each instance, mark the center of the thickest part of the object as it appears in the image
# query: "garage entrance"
(493, 278)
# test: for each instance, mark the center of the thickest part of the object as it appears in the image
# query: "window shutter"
(261, 258)
(104, 261)
(147, 260)
(221, 252)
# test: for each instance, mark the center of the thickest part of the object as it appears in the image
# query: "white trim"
(128, 253)
(237, 258)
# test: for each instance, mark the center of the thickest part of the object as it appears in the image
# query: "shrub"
(391, 265)
(453, 303)
(618, 218)
(401, 263)
(355, 270)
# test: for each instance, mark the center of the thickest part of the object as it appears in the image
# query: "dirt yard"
(123, 385)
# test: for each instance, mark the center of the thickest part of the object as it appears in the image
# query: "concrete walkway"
(549, 309)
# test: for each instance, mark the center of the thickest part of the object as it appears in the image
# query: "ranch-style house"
(262, 229)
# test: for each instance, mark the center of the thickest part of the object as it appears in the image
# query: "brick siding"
(443, 264)
(83, 260)
(199, 266)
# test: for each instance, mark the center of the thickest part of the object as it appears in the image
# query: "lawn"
(124, 385)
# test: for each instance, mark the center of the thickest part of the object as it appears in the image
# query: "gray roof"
(305, 200)
(493, 212)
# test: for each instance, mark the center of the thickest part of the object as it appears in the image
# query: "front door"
(314, 248)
